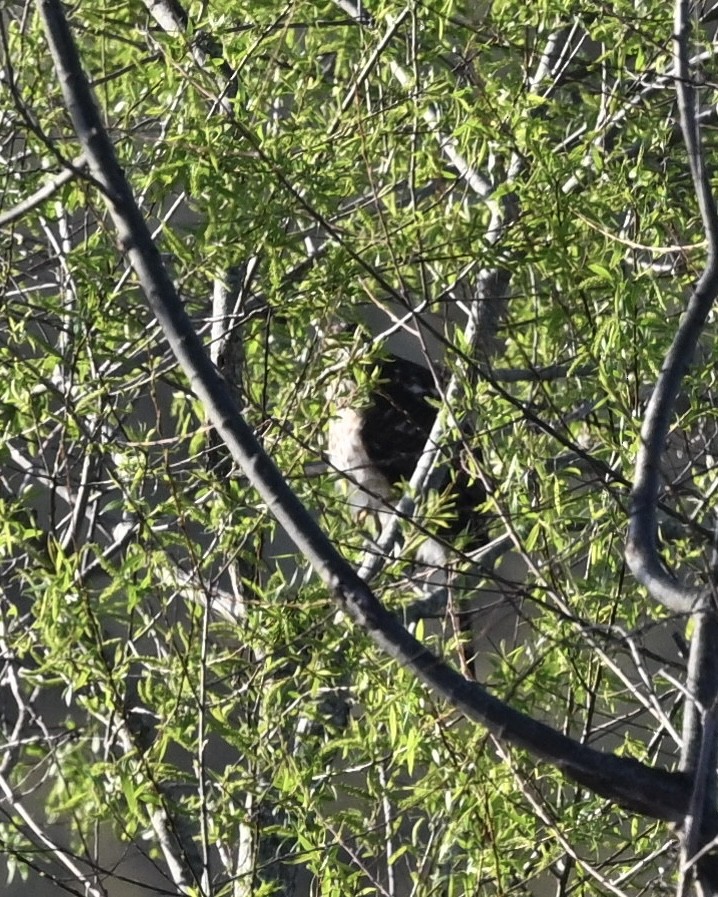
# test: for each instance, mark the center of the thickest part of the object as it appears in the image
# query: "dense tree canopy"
(197, 700)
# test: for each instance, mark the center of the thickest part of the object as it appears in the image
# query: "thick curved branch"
(654, 792)
(642, 546)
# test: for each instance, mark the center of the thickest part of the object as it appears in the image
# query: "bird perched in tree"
(376, 438)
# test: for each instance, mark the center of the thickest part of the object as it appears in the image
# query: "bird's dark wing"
(399, 418)
(395, 428)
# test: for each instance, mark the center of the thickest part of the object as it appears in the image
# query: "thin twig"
(42, 194)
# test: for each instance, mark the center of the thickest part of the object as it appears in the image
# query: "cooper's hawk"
(376, 438)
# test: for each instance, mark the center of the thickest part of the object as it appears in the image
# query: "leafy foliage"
(172, 671)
